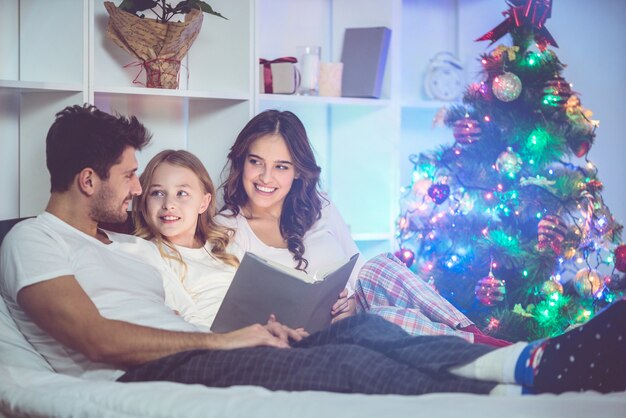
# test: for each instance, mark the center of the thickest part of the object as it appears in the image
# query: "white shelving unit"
(42, 70)
(56, 53)
(215, 96)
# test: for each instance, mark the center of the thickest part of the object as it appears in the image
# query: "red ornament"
(551, 232)
(406, 256)
(490, 290)
(530, 14)
(620, 258)
(439, 192)
(466, 131)
(594, 186)
(582, 149)
(557, 92)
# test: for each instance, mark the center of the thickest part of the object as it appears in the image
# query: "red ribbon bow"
(267, 70)
(533, 13)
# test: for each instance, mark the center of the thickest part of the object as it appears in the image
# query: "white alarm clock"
(444, 77)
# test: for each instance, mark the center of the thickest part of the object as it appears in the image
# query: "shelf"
(192, 94)
(323, 100)
(38, 86)
(373, 237)
(427, 104)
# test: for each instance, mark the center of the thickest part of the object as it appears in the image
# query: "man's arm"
(61, 308)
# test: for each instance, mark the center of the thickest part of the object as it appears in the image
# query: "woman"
(273, 202)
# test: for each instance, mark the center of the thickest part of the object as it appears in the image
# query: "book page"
(317, 276)
(323, 272)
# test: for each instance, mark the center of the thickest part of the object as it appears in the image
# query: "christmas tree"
(508, 222)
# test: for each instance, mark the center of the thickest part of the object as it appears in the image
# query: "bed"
(30, 388)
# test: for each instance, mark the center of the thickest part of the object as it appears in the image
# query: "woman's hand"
(344, 307)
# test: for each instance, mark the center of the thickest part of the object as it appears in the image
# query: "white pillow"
(15, 350)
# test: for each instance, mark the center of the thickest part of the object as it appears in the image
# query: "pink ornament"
(551, 233)
(620, 258)
(466, 131)
(557, 91)
(439, 192)
(406, 256)
(490, 290)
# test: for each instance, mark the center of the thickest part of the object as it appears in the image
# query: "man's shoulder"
(28, 228)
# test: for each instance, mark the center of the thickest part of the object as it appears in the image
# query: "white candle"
(309, 70)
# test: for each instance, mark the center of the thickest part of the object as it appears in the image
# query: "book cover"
(364, 56)
(261, 288)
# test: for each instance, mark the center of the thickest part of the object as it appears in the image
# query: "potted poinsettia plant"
(158, 43)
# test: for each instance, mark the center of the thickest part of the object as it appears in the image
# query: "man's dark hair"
(84, 136)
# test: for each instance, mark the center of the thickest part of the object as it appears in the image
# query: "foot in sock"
(589, 357)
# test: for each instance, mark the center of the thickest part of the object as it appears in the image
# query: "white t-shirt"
(121, 286)
(198, 296)
(328, 241)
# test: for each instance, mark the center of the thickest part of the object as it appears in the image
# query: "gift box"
(279, 76)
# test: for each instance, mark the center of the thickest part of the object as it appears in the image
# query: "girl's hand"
(344, 307)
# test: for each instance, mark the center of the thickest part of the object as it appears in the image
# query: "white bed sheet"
(34, 393)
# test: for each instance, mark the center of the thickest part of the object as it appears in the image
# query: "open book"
(262, 287)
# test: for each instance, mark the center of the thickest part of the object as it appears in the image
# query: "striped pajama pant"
(387, 288)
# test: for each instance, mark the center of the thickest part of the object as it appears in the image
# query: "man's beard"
(105, 210)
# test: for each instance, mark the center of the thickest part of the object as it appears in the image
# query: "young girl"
(175, 211)
(273, 202)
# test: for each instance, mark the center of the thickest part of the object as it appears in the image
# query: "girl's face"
(268, 173)
(175, 198)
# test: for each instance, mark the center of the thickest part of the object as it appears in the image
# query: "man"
(92, 164)
(94, 311)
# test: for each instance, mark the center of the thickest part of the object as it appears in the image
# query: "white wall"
(591, 37)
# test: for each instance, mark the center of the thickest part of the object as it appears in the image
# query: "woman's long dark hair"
(303, 204)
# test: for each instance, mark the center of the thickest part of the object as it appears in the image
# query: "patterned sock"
(526, 366)
(589, 357)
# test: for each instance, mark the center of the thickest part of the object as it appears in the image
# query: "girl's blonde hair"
(214, 236)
